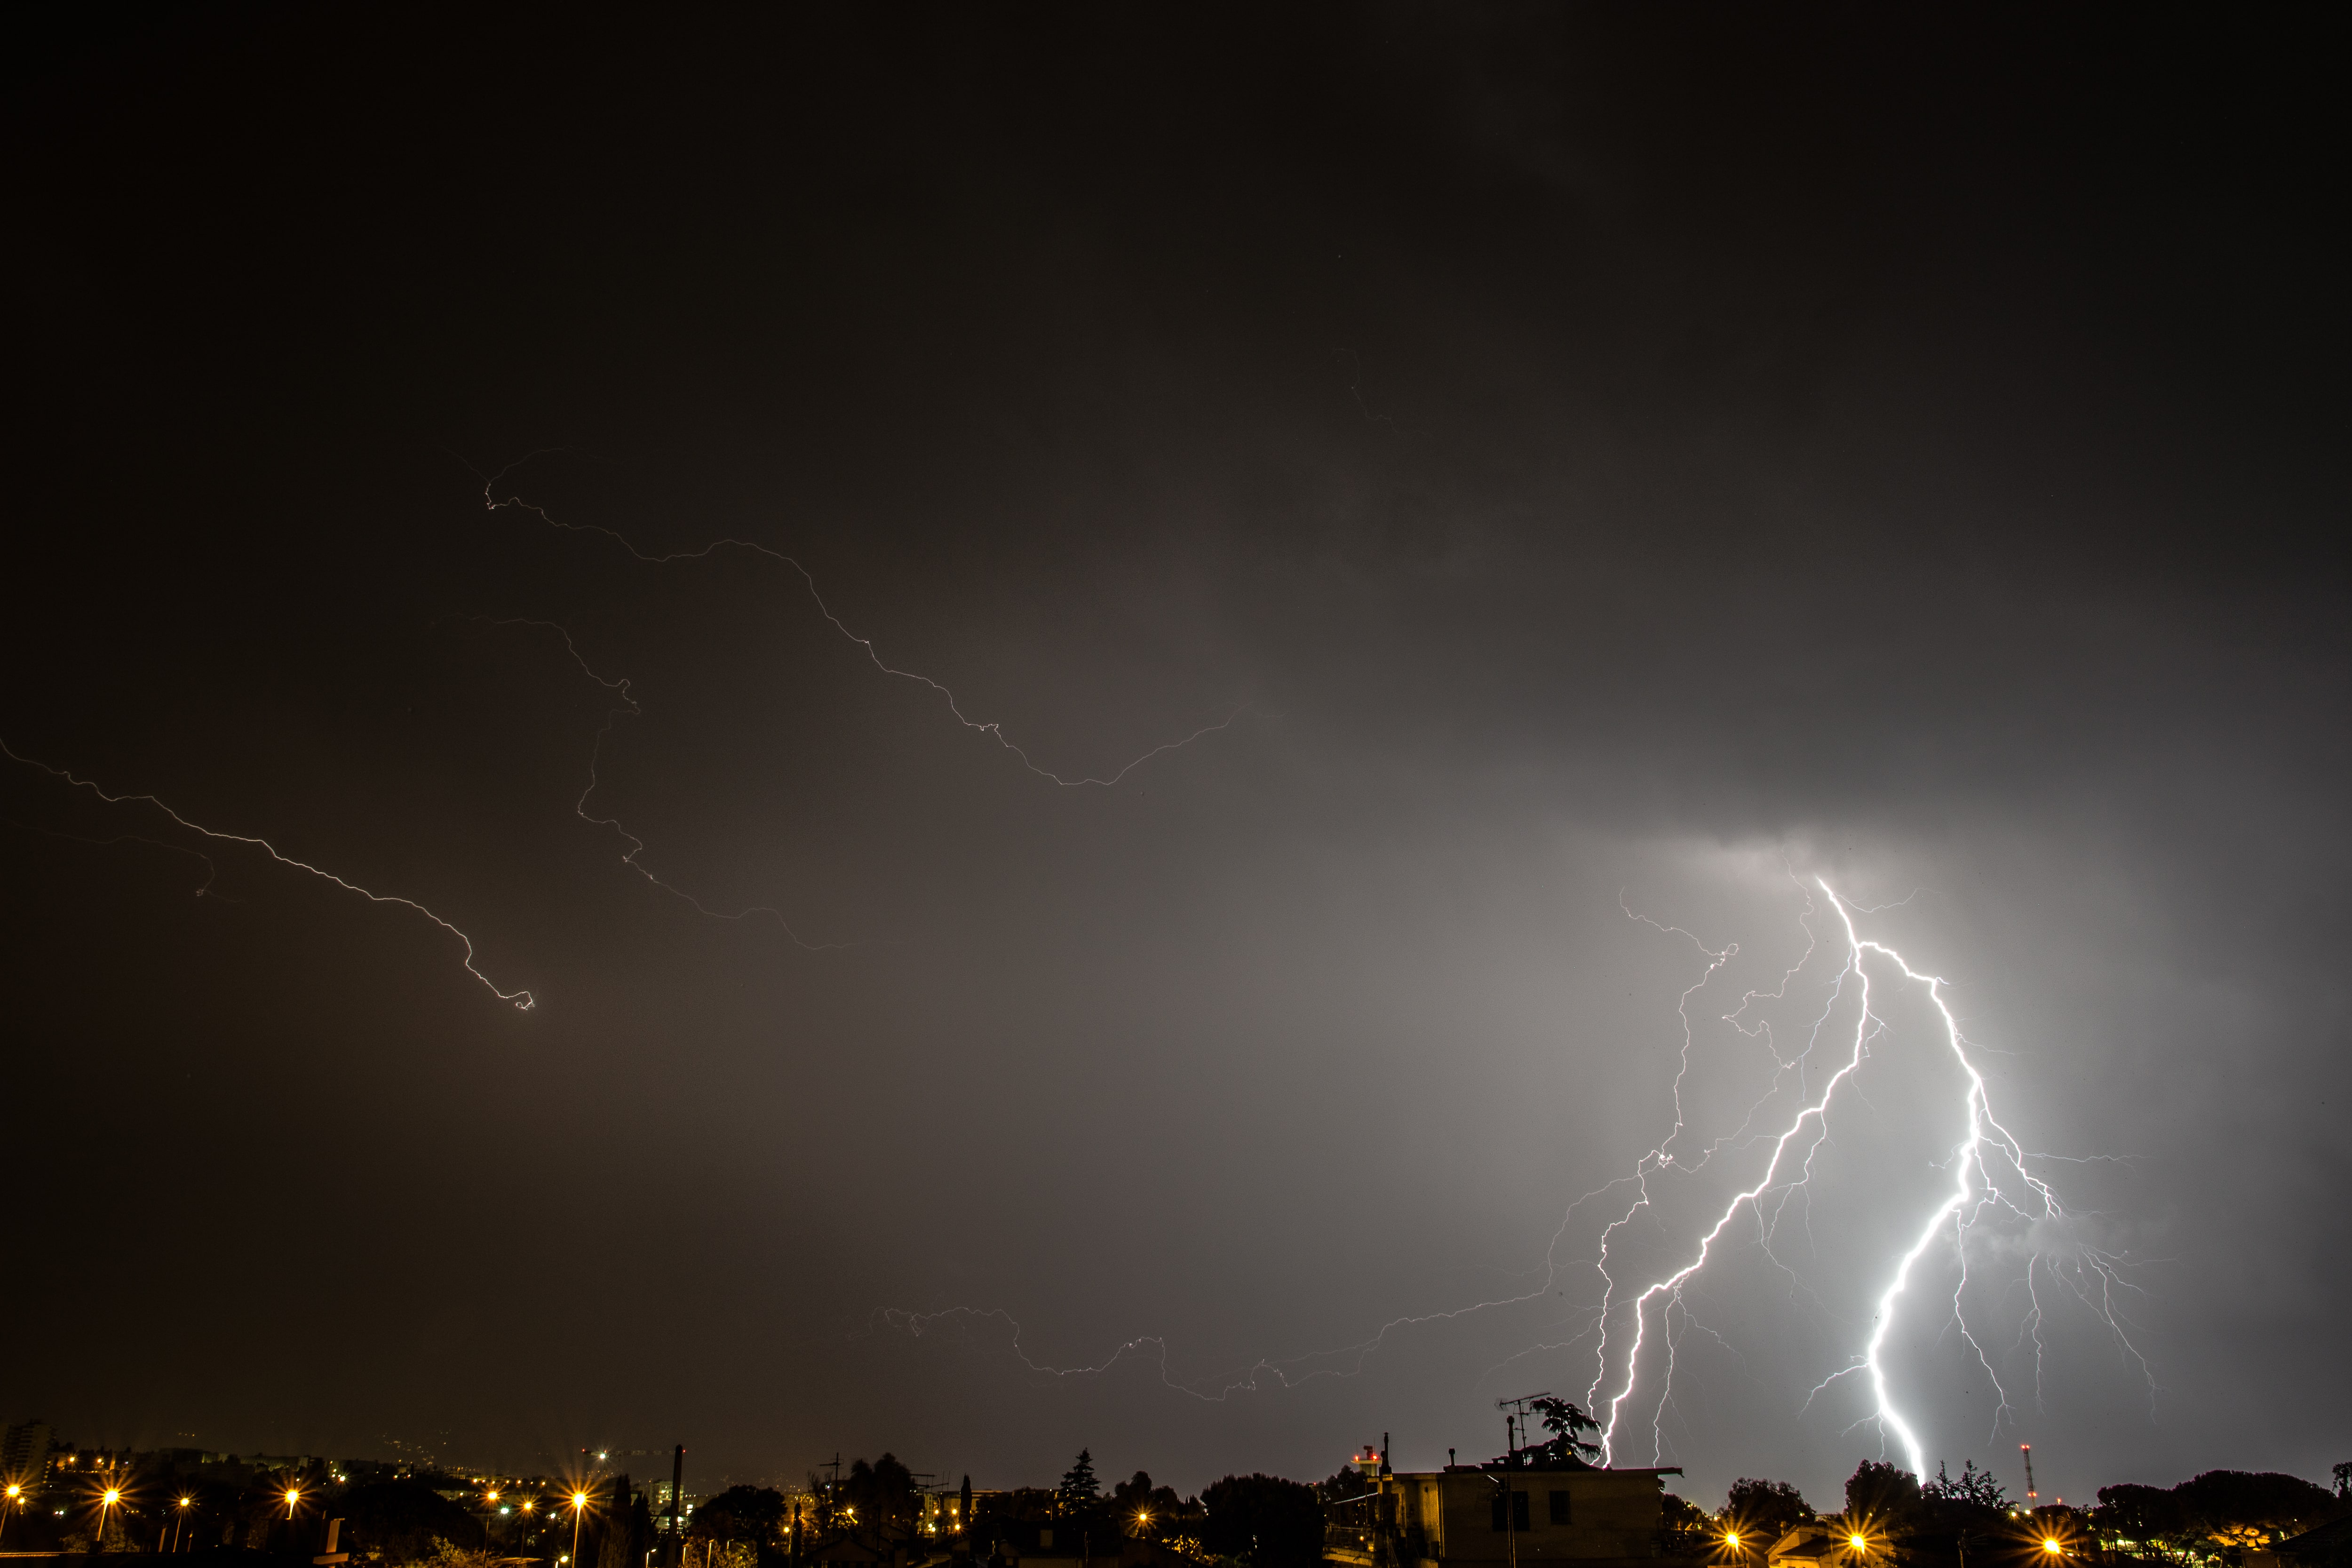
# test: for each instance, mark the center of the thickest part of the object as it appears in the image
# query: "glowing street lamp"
(293, 1496)
(180, 1524)
(2053, 1549)
(579, 1513)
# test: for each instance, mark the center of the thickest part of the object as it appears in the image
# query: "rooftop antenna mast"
(1518, 1407)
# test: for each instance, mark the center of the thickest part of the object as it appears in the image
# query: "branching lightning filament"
(522, 999)
(994, 729)
(1990, 1178)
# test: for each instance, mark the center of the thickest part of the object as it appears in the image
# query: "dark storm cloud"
(1602, 453)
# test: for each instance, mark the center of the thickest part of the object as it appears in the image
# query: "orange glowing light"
(578, 1499)
(112, 1497)
(1859, 1542)
(2051, 1546)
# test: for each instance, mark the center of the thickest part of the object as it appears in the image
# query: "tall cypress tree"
(1079, 1489)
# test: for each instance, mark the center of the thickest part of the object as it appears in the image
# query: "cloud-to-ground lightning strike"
(1990, 1178)
(989, 728)
(1989, 1175)
(522, 999)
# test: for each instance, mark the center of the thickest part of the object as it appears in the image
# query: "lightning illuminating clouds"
(1994, 1204)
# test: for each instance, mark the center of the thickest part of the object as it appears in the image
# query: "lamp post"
(108, 1501)
(13, 1495)
(180, 1522)
(579, 1513)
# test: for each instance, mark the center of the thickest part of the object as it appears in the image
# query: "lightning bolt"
(625, 705)
(992, 729)
(1990, 1178)
(522, 999)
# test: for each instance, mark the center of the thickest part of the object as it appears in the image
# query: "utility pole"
(677, 1512)
(1511, 1496)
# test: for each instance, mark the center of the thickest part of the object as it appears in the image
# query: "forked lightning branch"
(1633, 1330)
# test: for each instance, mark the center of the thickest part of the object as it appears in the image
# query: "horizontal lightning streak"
(1247, 1380)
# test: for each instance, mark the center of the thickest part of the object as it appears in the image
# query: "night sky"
(1603, 469)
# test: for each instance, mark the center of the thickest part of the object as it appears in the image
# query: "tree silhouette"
(1079, 1491)
(739, 1513)
(1566, 1422)
(1141, 1508)
(1974, 1501)
(1882, 1495)
(880, 1492)
(1769, 1509)
(1264, 1522)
